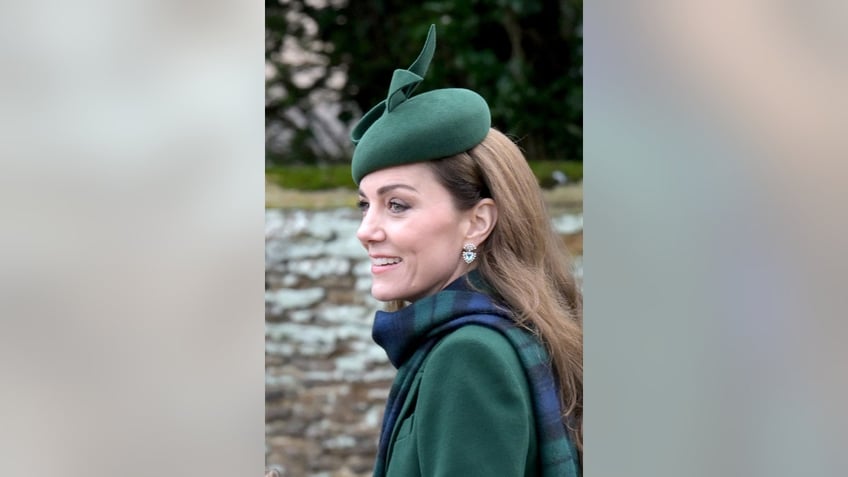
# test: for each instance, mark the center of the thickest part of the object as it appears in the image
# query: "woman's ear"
(482, 219)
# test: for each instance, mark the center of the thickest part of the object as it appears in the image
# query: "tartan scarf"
(409, 334)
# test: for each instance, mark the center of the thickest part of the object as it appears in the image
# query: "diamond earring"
(468, 253)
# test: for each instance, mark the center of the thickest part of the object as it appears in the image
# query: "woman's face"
(412, 232)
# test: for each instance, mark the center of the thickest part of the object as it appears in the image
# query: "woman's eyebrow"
(390, 187)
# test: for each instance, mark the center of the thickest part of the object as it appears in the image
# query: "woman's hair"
(524, 260)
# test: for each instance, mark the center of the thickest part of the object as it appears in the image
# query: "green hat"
(403, 129)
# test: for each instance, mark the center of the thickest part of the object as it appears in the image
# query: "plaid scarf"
(409, 334)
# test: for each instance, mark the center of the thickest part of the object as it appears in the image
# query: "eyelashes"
(394, 206)
(397, 206)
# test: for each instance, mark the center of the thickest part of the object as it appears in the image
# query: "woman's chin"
(388, 294)
(383, 295)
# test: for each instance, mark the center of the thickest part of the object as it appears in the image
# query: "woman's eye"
(362, 206)
(397, 207)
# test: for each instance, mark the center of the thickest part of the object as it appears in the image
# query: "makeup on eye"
(393, 205)
(397, 206)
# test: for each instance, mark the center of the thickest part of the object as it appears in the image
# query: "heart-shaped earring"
(468, 253)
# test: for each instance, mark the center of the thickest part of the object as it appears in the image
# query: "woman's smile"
(380, 264)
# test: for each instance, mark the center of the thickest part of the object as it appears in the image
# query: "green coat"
(469, 412)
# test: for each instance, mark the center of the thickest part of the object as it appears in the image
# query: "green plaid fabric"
(409, 334)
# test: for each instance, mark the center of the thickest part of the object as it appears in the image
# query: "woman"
(485, 319)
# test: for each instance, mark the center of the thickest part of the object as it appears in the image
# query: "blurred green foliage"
(524, 57)
(332, 176)
(545, 171)
(306, 177)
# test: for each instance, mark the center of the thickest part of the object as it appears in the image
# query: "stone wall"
(326, 382)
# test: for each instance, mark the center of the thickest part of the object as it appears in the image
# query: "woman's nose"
(370, 229)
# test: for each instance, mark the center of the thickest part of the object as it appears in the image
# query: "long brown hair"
(524, 260)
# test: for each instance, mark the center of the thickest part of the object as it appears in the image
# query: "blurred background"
(326, 63)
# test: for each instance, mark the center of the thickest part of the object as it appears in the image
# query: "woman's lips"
(384, 264)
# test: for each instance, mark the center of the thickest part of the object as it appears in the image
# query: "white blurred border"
(714, 185)
(131, 191)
